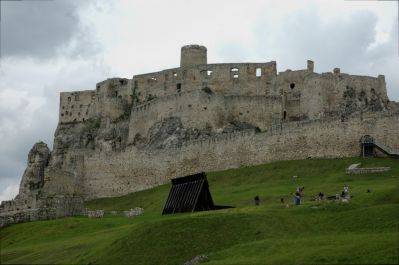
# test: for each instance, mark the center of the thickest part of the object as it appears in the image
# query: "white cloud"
(9, 192)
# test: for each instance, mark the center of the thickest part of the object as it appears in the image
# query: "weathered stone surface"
(42, 208)
(33, 177)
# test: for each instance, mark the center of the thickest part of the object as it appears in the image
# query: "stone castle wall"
(307, 94)
(199, 109)
(111, 99)
(237, 79)
(108, 174)
(77, 106)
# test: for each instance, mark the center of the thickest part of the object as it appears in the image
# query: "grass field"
(363, 231)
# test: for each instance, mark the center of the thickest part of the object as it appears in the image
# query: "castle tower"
(193, 55)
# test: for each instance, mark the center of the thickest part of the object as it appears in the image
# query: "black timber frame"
(189, 194)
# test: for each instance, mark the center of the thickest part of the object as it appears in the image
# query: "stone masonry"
(128, 135)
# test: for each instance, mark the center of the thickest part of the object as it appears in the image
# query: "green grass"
(363, 231)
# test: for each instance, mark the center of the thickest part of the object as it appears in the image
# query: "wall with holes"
(309, 95)
(111, 99)
(230, 79)
(77, 106)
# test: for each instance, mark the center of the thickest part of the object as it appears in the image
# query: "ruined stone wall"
(111, 99)
(229, 79)
(114, 98)
(108, 174)
(309, 95)
(205, 109)
(77, 106)
(45, 192)
(48, 208)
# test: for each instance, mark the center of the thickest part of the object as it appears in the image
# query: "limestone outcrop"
(33, 177)
(44, 193)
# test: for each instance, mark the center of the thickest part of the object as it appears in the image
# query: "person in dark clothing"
(257, 200)
(282, 200)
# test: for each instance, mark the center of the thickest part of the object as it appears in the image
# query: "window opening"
(258, 72)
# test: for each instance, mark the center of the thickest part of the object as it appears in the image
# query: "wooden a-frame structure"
(189, 194)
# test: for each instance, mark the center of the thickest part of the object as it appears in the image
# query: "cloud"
(9, 192)
(29, 105)
(350, 42)
(40, 28)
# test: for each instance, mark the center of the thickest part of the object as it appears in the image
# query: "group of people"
(344, 197)
(298, 195)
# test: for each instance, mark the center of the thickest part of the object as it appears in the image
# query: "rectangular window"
(258, 72)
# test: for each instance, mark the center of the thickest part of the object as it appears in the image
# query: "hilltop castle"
(133, 134)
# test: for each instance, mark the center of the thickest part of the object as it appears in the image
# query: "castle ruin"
(128, 135)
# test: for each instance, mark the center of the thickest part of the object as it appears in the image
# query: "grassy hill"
(363, 231)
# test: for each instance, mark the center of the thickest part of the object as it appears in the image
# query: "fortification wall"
(114, 99)
(108, 174)
(111, 99)
(77, 106)
(229, 79)
(199, 109)
(309, 95)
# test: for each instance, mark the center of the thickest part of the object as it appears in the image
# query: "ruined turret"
(193, 55)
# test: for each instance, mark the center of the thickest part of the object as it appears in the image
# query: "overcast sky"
(66, 45)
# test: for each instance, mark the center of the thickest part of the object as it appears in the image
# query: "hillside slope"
(363, 231)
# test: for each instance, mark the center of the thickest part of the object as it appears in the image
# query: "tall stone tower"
(193, 55)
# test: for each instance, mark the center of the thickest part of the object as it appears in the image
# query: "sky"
(67, 45)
